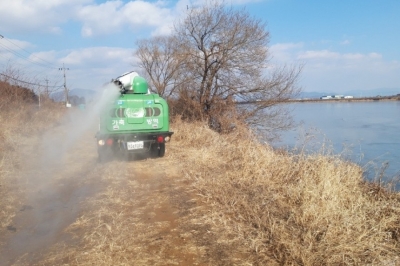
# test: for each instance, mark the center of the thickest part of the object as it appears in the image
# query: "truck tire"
(157, 150)
(161, 151)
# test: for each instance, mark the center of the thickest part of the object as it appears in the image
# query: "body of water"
(367, 133)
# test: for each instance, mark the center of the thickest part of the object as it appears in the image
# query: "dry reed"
(21, 122)
(225, 200)
(290, 209)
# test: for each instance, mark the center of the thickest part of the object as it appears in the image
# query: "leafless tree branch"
(216, 57)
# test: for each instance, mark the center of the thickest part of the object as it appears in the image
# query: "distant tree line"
(15, 86)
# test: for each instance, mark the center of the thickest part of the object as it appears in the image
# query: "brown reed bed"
(228, 200)
(289, 209)
(21, 123)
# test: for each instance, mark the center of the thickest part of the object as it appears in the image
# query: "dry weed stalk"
(20, 121)
(290, 209)
(242, 200)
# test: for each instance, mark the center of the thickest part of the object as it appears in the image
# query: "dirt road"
(75, 211)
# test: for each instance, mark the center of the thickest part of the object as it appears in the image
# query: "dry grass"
(216, 200)
(21, 123)
(289, 209)
(128, 223)
(241, 203)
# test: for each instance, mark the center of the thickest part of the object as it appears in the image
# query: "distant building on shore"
(326, 97)
(335, 97)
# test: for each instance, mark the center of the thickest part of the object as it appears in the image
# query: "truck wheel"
(157, 150)
(154, 151)
(161, 151)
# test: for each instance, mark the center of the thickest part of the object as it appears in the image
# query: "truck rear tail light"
(109, 142)
(101, 142)
(167, 138)
(160, 139)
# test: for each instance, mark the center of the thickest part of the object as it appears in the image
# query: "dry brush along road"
(73, 210)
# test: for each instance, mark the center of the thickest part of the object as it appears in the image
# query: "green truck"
(134, 121)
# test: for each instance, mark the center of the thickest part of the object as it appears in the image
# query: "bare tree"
(161, 62)
(224, 55)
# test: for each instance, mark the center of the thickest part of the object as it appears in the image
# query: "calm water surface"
(365, 132)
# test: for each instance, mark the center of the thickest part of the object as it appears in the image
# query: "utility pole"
(65, 86)
(46, 93)
(39, 96)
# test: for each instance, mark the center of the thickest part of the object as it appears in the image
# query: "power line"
(23, 56)
(30, 53)
(27, 56)
(29, 83)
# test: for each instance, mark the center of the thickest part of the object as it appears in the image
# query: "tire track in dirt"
(175, 233)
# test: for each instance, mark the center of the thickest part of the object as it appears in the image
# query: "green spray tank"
(134, 121)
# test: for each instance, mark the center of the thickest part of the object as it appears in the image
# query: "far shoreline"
(359, 99)
(356, 99)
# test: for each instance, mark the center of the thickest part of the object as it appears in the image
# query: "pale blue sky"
(344, 45)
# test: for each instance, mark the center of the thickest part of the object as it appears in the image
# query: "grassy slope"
(289, 209)
(233, 200)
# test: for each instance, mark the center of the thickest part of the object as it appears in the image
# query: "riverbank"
(355, 99)
(212, 200)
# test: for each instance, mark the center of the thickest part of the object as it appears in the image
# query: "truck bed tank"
(137, 121)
